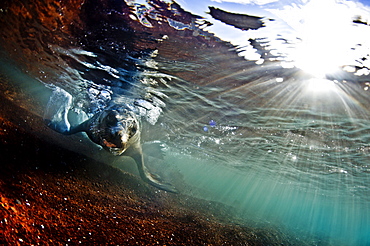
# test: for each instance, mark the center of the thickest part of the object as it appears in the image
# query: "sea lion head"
(118, 129)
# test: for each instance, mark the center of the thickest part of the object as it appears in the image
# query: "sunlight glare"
(317, 85)
(327, 35)
(325, 38)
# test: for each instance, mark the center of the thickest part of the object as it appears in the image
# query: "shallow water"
(283, 146)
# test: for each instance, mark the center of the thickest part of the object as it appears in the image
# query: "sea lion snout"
(120, 128)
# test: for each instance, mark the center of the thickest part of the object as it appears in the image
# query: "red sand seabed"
(54, 196)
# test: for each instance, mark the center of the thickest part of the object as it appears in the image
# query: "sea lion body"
(118, 130)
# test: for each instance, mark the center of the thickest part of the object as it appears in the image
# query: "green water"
(301, 167)
(301, 208)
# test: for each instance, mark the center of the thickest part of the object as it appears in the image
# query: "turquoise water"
(312, 214)
(282, 146)
(303, 169)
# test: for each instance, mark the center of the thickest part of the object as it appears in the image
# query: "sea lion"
(117, 129)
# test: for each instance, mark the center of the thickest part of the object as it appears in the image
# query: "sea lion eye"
(111, 119)
(133, 130)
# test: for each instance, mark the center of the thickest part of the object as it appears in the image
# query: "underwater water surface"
(262, 106)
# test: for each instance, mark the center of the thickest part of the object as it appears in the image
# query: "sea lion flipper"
(56, 113)
(66, 130)
(136, 154)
